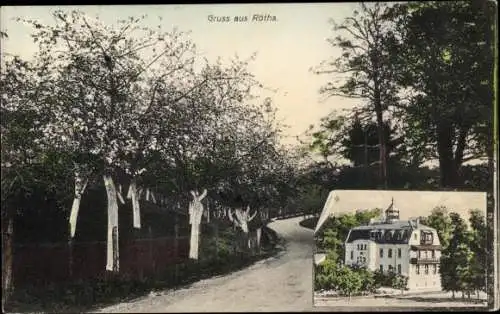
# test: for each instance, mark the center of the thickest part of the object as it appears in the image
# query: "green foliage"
(479, 264)
(348, 281)
(441, 43)
(464, 262)
(331, 238)
(360, 145)
(441, 221)
(343, 279)
(399, 282)
(420, 62)
(311, 198)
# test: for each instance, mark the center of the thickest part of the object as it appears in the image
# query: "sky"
(411, 204)
(286, 48)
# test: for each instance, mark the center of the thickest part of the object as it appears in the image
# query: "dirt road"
(281, 283)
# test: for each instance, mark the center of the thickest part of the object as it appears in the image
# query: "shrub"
(399, 282)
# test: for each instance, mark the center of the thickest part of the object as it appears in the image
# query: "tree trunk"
(380, 134)
(448, 166)
(248, 238)
(134, 195)
(259, 235)
(176, 237)
(112, 261)
(70, 257)
(7, 256)
(195, 216)
(195, 238)
(216, 231)
(80, 185)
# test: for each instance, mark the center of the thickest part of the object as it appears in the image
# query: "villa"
(404, 247)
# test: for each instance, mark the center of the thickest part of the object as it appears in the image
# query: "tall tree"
(440, 220)
(361, 144)
(366, 58)
(479, 263)
(456, 257)
(446, 62)
(18, 138)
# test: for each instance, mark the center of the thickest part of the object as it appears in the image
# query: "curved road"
(281, 283)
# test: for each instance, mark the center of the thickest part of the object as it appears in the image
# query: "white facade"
(404, 247)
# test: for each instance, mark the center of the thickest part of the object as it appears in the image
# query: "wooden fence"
(42, 263)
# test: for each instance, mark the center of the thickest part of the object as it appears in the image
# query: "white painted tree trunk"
(119, 194)
(259, 234)
(80, 185)
(112, 260)
(195, 216)
(134, 195)
(195, 239)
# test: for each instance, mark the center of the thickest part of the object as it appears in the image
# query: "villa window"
(426, 267)
(352, 254)
(434, 269)
(381, 268)
(387, 236)
(365, 246)
(417, 270)
(433, 253)
(415, 236)
(399, 253)
(399, 269)
(426, 238)
(389, 254)
(391, 268)
(381, 252)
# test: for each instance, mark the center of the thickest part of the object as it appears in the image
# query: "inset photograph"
(416, 249)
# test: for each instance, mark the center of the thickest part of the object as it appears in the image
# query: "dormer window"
(426, 237)
(387, 236)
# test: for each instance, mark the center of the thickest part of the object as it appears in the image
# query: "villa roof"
(398, 232)
(400, 224)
